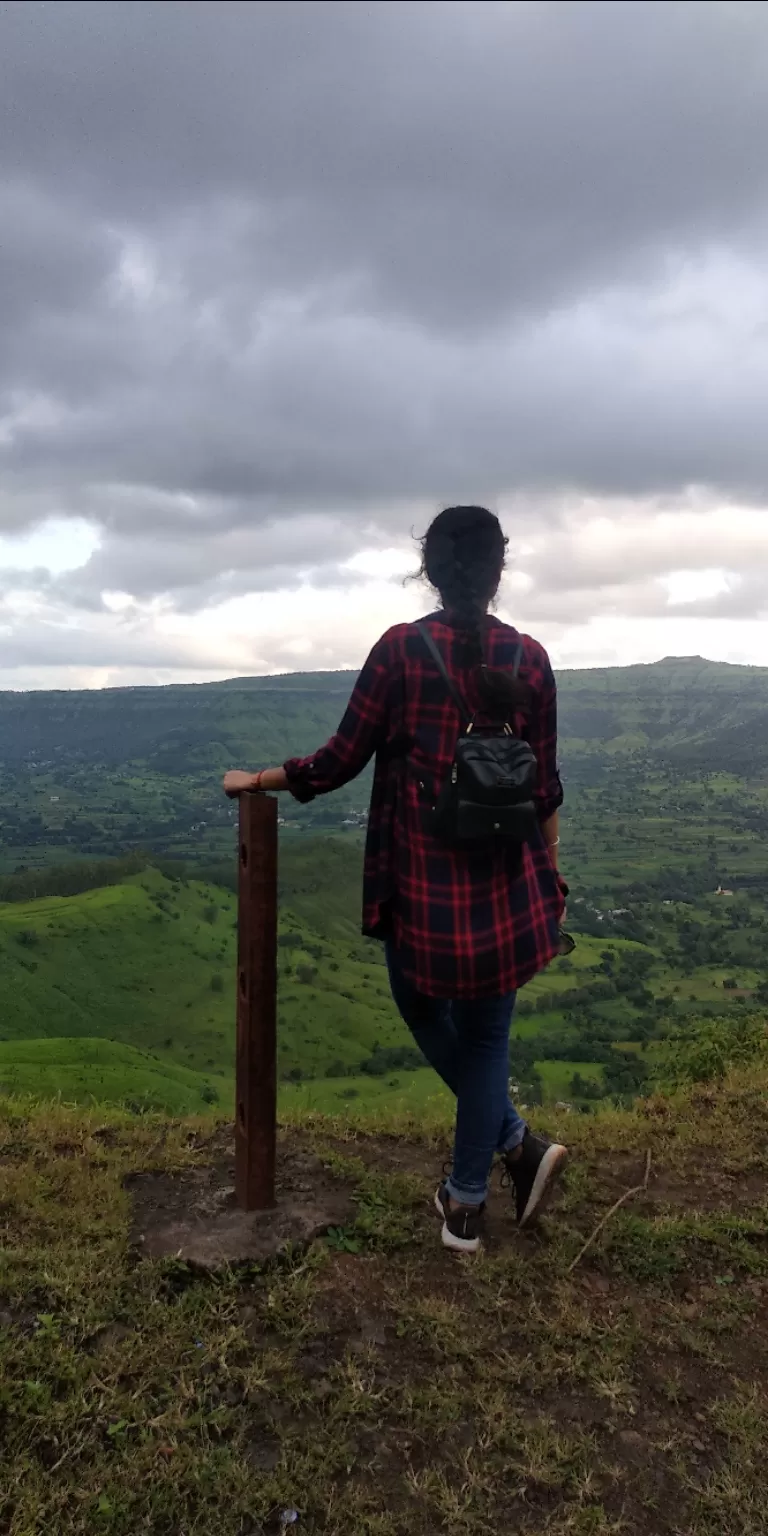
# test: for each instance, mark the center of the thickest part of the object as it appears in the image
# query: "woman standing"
(465, 925)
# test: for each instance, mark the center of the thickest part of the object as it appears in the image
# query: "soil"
(193, 1215)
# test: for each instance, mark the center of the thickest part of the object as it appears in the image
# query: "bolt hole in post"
(256, 1066)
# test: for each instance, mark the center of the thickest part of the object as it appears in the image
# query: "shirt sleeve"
(542, 735)
(362, 731)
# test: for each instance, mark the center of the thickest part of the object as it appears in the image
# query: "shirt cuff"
(546, 805)
(298, 772)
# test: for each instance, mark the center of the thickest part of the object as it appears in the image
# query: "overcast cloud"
(276, 281)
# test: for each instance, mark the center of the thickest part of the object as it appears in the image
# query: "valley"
(117, 905)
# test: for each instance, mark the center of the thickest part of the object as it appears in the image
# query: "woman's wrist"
(269, 778)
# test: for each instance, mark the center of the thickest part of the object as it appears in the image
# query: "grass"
(556, 1076)
(411, 1093)
(126, 993)
(150, 964)
(86, 1071)
(372, 1383)
(140, 964)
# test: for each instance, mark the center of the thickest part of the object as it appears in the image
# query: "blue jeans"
(467, 1043)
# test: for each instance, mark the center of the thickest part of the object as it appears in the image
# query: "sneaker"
(534, 1174)
(461, 1226)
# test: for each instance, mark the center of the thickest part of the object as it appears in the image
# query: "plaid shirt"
(466, 922)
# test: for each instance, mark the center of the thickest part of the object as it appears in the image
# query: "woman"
(464, 927)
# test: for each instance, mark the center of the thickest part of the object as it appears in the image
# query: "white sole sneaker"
(453, 1240)
(459, 1244)
(547, 1174)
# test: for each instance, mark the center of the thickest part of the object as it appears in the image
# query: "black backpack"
(488, 795)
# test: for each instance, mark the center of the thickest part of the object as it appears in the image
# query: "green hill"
(126, 992)
(666, 776)
(98, 773)
(89, 1070)
(150, 964)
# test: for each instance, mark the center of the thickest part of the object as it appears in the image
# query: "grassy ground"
(410, 1092)
(92, 1071)
(150, 963)
(87, 1071)
(126, 993)
(374, 1384)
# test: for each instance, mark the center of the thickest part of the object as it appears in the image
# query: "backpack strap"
(443, 670)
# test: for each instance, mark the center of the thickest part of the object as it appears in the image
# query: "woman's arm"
(550, 831)
(236, 783)
(542, 735)
(362, 730)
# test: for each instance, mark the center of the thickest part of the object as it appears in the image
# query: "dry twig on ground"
(638, 1189)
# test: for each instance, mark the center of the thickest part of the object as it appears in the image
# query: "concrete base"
(192, 1215)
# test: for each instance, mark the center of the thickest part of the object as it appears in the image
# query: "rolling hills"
(96, 773)
(148, 965)
(117, 978)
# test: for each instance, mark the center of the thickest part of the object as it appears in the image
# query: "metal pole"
(256, 1070)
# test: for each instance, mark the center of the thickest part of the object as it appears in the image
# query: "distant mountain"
(121, 984)
(245, 718)
(94, 773)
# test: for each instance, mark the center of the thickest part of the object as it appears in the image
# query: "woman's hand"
(236, 783)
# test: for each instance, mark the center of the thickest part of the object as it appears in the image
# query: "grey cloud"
(459, 158)
(43, 642)
(266, 263)
(27, 579)
(212, 564)
(631, 550)
(745, 599)
(632, 596)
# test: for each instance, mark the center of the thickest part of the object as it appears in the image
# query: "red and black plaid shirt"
(466, 922)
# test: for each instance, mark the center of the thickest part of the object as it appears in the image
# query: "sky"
(278, 281)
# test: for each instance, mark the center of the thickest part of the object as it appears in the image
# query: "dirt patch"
(193, 1216)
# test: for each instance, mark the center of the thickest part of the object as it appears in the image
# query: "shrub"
(385, 1058)
(217, 982)
(707, 1049)
(337, 1069)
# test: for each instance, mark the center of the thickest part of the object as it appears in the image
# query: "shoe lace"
(507, 1174)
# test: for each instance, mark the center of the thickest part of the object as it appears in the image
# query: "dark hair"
(462, 556)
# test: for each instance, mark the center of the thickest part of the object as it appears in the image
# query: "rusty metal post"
(256, 1070)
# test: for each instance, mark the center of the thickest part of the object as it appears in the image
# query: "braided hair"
(462, 557)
